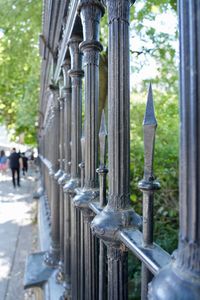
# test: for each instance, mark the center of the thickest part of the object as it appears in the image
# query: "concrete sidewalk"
(17, 233)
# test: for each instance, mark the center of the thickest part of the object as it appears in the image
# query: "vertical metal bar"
(102, 171)
(90, 49)
(148, 185)
(58, 176)
(117, 270)
(67, 247)
(146, 277)
(118, 104)
(90, 12)
(52, 257)
(60, 275)
(75, 160)
(70, 187)
(66, 176)
(75, 253)
(67, 117)
(181, 279)
(76, 75)
(90, 257)
(82, 231)
(82, 260)
(117, 213)
(82, 164)
(59, 173)
(48, 157)
(102, 272)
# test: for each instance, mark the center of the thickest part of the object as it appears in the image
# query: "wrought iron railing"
(93, 224)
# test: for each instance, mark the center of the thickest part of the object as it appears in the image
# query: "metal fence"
(93, 225)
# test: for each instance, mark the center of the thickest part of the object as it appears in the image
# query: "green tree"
(20, 24)
(158, 53)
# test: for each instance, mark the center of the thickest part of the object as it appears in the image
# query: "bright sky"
(1, 33)
(165, 23)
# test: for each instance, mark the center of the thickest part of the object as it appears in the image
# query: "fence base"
(36, 272)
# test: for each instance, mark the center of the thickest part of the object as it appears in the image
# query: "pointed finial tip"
(149, 118)
(102, 130)
(102, 139)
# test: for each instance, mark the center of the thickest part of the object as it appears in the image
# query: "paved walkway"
(17, 233)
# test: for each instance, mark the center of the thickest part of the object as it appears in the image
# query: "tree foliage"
(20, 23)
(158, 47)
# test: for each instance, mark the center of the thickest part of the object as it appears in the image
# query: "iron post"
(66, 176)
(148, 186)
(181, 278)
(90, 12)
(76, 75)
(52, 256)
(118, 213)
(102, 172)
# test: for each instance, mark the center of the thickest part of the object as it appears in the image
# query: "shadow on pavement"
(17, 233)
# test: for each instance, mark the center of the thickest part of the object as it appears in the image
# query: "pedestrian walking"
(24, 163)
(32, 159)
(3, 161)
(14, 159)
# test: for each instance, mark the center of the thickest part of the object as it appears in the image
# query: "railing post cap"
(173, 284)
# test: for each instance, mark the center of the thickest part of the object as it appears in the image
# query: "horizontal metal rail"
(154, 257)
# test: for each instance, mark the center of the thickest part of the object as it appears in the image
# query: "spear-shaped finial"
(102, 170)
(150, 125)
(149, 117)
(148, 185)
(102, 140)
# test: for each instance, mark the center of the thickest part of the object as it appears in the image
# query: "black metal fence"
(92, 226)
